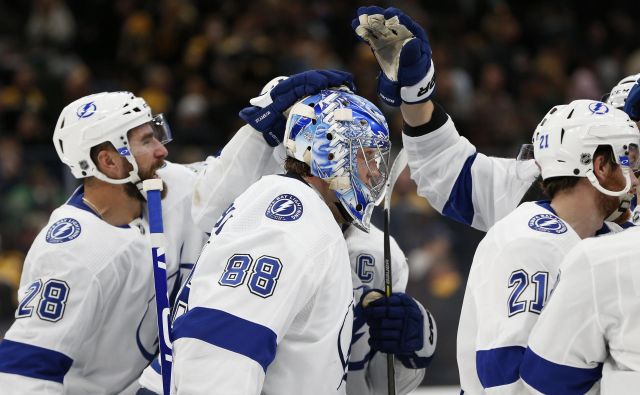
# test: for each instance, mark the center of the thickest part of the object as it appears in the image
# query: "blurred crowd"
(500, 66)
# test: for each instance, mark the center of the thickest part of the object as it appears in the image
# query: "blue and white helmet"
(344, 139)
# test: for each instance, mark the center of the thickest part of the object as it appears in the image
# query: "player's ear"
(603, 167)
(109, 162)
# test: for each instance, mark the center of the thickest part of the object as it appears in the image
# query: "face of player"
(149, 154)
(616, 181)
(371, 168)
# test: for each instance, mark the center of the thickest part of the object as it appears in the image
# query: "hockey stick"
(153, 188)
(398, 166)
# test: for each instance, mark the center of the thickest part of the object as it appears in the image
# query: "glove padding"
(266, 111)
(632, 104)
(396, 323)
(403, 53)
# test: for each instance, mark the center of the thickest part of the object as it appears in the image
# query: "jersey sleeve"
(230, 335)
(462, 184)
(244, 159)
(567, 346)
(58, 306)
(508, 301)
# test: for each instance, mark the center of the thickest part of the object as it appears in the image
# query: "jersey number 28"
(52, 301)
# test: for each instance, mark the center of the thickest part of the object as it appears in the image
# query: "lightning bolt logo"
(63, 230)
(86, 110)
(285, 207)
(547, 223)
(598, 108)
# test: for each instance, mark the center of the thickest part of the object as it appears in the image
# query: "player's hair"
(551, 186)
(295, 166)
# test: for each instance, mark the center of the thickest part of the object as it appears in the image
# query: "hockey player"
(458, 181)
(367, 366)
(88, 273)
(589, 328)
(270, 300)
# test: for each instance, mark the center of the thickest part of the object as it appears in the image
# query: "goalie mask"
(344, 139)
(104, 117)
(565, 141)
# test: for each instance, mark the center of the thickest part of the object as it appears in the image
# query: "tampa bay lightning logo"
(124, 151)
(547, 223)
(63, 230)
(598, 108)
(86, 110)
(285, 207)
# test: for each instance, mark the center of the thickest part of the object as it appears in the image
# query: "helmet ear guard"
(345, 141)
(566, 139)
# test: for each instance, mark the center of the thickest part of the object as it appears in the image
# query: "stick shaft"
(156, 229)
(398, 166)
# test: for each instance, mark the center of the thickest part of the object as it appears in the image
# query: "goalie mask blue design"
(344, 139)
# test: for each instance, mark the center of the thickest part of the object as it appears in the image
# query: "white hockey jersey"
(270, 300)
(513, 272)
(461, 183)
(86, 320)
(592, 320)
(367, 369)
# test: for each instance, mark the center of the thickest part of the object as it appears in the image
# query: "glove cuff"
(389, 91)
(266, 121)
(423, 90)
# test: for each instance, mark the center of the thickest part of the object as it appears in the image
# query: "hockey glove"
(266, 111)
(396, 324)
(403, 52)
(632, 104)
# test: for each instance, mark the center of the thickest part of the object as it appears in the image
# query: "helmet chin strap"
(594, 181)
(625, 203)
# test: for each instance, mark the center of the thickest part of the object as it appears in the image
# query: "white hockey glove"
(402, 49)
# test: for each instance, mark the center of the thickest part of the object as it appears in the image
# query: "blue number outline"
(257, 272)
(24, 310)
(47, 298)
(363, 263)
(541, 279)
(519, 280)
(245, 260)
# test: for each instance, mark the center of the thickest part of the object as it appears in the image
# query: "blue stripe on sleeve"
(499, 366)
(33, 361)
(459, 206)
(227, 331)
(552, 378)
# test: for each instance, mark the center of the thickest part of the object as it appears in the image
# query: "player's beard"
(146, 174)
(611, 203)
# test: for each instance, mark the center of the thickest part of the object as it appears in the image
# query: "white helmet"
(619, 93)
(566, 139)
(98, 118)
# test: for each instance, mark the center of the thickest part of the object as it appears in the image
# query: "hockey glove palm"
(266, 111)
(632, 104)
(396, 323)
(403, 52)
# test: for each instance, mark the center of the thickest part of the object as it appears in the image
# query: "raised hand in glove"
(266, 111)
(403, 53)
(632, 104)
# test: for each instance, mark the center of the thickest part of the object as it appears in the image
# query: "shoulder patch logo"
(547, 223)
(285, 207)
(63, 230)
